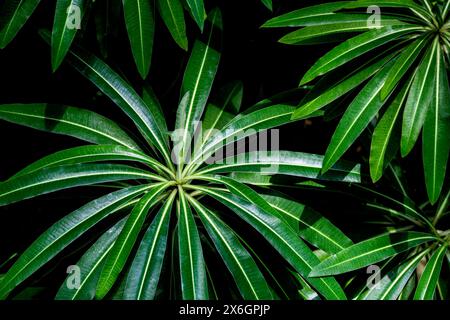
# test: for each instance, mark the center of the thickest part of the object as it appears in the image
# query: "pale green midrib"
(230, 250)
(305, 17)
(416, 104)
(404, 62)
(355, 119)
(384, 35)
(335, 265)
(210, 145)
(385, 142)
(78, 175)
(144, 208)
(6, 31)
(154, 135)
(69, 159)
(189, 243)
(70, 123)
(432, 270)
(278, 236)
(328, 32)
(403, 272)
(54, 241)
(92, 270)
(173, 18)
(436, 118)
(156, 238)
(58, 51)
(308, 225)
(220, 167)
(194, 93)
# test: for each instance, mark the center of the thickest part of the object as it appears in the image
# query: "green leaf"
(391, 285)
(194, 282)
(197, 82)
(296, 164)
(316, 100)
(282, 238)
(241, 127)
(87, 154)
(65, 28)
(356, 118)
(64, 232)
(197, 9)
(430, 276)
(15, 14)
(248, 277)
(143, 277)
(356, 47)
(117, 257)
(383, 141)
(369, 252)
(419, 100)
(407, 4)
(404, 62)
(64, 177)
(79, 123)
(171, 12)
(90, 266)
(123, 95)
(140, 23)
(309, 34)
(314, 15)
(310, 225)
(151, 100)
(436, 132)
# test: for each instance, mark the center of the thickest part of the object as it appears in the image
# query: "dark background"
(249, 54)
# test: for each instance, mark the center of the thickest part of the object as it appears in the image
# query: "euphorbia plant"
(398, 66)
(162, 210)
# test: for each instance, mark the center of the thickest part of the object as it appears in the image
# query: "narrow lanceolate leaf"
(418, 10)
(90, 266)
(312, 34)
(151, 100)
(310, 225)
(282, 238)
(285, 163)
(64, 177)
(198, 80)
(15, 14)
(322, 99)
(197, 8)
(392, 284)
(194, 284)
(369, 252)
(64, 232)
(355, 47)
(88, 154)
(436, 132)
(248, 277)
(313, 15)
(68, 16)
(79, 123)
(123, 95)
(404, 62)
(143, 277)
(419, 100)
(118, 256)
(383, 142)
(243, 126)
(171, 12)
(430, 276)
(356, 118)
(140, 23)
